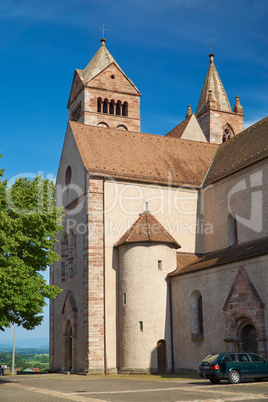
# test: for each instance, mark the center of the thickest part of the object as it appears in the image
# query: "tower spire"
(214, 112)
(213, 83)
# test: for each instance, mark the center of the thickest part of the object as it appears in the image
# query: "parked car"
(233, 366)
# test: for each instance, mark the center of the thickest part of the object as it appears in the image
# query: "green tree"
(19, 361)
(29, 222)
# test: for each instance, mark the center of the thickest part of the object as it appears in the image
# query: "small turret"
(189, 112)
(237, 107)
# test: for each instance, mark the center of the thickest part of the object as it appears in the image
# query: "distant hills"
(25, 342)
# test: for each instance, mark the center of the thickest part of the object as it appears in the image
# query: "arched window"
(232, 230)
(125, 109)
(118, 108)
(99, 105)
(103, 124)
(111, 108)
(200, 315)
(64, 256)
(105, 106)
(197, 327)
(228, 132)
(68, 175)
(72, 254)
(121, 127)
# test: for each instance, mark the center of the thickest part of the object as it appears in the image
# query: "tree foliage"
(29, 222)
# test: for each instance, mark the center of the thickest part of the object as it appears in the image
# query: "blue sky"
(160, 45)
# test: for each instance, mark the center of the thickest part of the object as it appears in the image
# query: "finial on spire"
(210, 44)
(103, 40)
(146, 206)
(237, 107)
(189, 111)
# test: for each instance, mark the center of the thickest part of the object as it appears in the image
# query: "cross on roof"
(103, 29)
(211, 44)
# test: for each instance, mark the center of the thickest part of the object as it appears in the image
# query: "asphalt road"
(59, 387)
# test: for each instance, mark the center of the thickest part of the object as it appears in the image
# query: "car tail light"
(215, 367)
(200, 368)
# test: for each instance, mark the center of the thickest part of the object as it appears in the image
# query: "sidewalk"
(59, 387)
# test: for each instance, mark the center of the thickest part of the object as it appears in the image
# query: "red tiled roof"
(179, 129)
(147, 229)
(142, 157)
(244, 149)
(230, 255)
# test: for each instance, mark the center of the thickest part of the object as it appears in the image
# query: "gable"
(77, 86)
(112, 78)
(243, 293)
(193, 131)
(70, 157)
(188, 129)
(69, 304)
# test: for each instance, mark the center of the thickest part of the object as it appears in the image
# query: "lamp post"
(13, 355)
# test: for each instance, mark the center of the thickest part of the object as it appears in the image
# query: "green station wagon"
(233, 367)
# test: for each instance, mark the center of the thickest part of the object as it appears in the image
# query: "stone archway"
(245, 316)
(68, 346)
(248, 338)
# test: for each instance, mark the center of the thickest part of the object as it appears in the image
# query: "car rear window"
(210, 358)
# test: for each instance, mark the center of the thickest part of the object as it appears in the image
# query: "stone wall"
(213, 123)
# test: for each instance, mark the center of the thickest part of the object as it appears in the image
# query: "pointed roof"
(178, 131)
(147, 229)
(188, 129)
(98, 63)
(213, 83)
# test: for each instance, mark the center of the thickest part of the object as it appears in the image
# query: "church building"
(164, 245)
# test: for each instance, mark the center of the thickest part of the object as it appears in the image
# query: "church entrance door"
(68, 347)
(161, 356)
(248, 339)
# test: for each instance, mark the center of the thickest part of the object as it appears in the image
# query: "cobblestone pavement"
(56, 388)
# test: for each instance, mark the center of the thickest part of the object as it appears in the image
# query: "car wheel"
(214, 380)
(234, 377)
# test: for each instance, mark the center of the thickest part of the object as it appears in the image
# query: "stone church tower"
(102, 95)
(214, 114)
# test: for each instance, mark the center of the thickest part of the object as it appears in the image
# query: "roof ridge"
(148, 225)
(134, 227)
